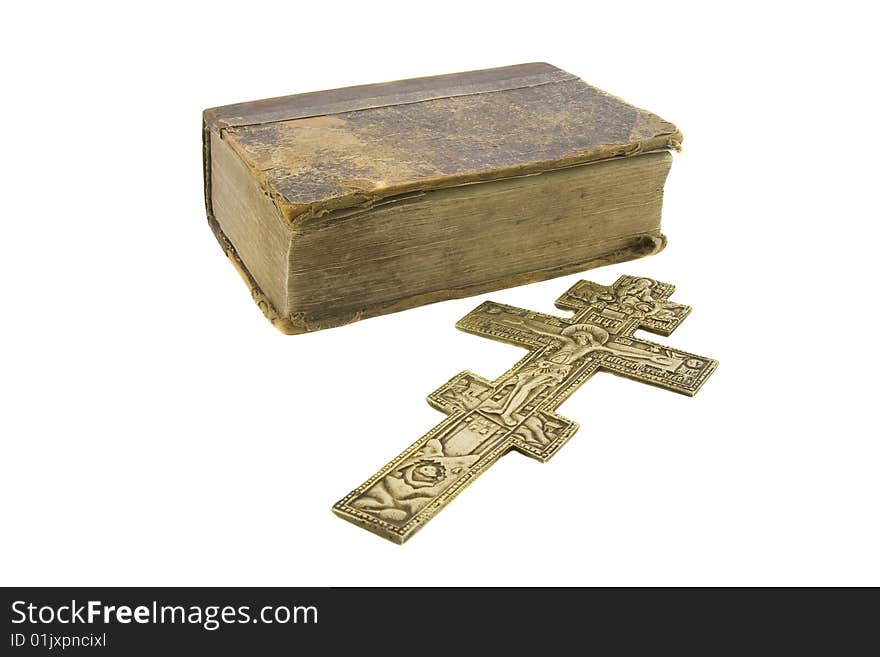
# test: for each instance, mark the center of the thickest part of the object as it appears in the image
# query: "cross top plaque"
(487, 419)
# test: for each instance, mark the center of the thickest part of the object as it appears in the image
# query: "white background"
(156, 430)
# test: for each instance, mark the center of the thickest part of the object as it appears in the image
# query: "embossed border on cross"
(516, 411)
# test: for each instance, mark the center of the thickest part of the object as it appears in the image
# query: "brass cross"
(516, 411)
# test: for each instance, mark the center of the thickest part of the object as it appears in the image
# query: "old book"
(345, 204)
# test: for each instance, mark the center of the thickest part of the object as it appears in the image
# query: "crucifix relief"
(486, 419)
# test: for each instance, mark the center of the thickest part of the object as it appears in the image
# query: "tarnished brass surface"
(516, 411)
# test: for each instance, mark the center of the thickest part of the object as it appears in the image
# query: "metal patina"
(487, 419)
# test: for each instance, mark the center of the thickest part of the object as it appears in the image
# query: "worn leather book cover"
(350, 203)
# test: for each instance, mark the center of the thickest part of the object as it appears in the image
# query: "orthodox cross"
(487, 419)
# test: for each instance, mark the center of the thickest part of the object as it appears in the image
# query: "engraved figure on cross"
(574, 342)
